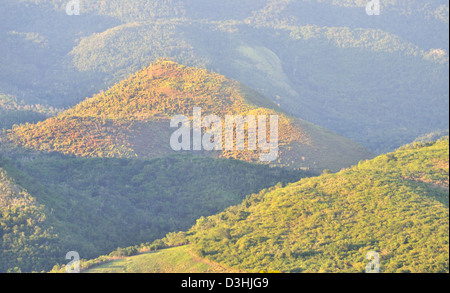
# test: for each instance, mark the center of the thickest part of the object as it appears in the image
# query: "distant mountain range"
(380, 80)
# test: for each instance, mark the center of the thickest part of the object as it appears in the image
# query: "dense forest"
(396, 204)
(54, 204)
(27, 242)
(324, 61)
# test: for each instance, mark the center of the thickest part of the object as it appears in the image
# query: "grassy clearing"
(172, 260)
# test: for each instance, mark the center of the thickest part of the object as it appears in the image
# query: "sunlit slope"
(132, 119)
(172, 260)
(396, 204)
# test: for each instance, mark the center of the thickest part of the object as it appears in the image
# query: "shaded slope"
(96, 205)
(13, 112)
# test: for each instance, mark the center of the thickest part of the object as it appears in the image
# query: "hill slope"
(12, 112)
(25, 234)
(132, 119)
(396, 204)
(363, 83)
(171, 260)
(95, 205)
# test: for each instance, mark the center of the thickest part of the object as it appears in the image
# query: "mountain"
(132, 119)
(379, 80)
(395, 204)
(53, 204)
(103, 174)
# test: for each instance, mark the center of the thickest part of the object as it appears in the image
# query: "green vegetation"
(132, 119)
(101, 176)
(396, 204)
(27, 242)
(97, 205)
(172, 260)
(381, 81)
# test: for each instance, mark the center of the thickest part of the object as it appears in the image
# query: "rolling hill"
(132, 119)
(381, 81)
(396, 204)
(53, 204)
(101, 175)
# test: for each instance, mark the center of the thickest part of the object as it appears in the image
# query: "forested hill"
(54, 204)
(26, 237)
(396, 204)
(132, 119)
(349, 89)
(379, 80)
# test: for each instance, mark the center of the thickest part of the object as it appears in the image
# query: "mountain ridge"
(132, 120)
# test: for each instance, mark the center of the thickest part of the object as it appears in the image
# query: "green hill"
(396, 205)
(101, 175)
(26, 237)
(50, 205)
(132, 119)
